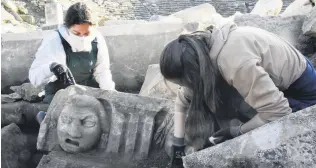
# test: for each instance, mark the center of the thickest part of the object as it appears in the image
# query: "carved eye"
(88, 123)
(65, 119)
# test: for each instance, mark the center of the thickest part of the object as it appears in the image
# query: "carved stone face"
(78, 129)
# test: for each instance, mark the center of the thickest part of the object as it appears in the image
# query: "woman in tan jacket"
(271, 76)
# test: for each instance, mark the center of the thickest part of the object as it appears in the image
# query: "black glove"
(225, 134)
(61, 73)
(177, 153)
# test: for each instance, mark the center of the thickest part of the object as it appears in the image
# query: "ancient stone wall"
(144, 9)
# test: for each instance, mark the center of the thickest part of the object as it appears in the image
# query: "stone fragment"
(28, 91)
(28, 19)
(14, 151)
(53, 13)
(10, 98)
(22, 10)
(298, 7)
(201, 13)
(131, 49)
(156, 86)
(287, 142)
(127, 121)
(6, 16)
(20, 112)
(267, 7)
(289, 28)
(309, 26)
(11, 8)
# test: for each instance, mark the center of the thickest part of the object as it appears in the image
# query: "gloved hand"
(227, 133)
(177, 153)
(61, 73)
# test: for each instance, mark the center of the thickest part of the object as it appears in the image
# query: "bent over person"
(273, 77)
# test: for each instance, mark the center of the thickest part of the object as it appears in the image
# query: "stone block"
(53, 13)
(14, 151)
(22, 10)
(10, 98)
(122, 22)
(131, 47)
(287, 142)
(20, 112)
(267, 7)
(289, 28)
(298, 7)
(50, 27)
(17, 47)
(201, 13)
(127, 122)
(28, 91)
(155, 85)
(63, 160)
(309, 26)
(28, 19)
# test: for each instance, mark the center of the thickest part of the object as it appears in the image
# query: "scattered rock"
(287, 142)
(11, 8)
(17, 27)
(28, 91)
(200, 13)
(20, 112)
(290, 28)
(267, 7)
(10, 98)
(6, 17)
(309, 26)
(22, 10)
(156, 86)
(14, 150)
(298, 7)
(28, 19)
(102, 21)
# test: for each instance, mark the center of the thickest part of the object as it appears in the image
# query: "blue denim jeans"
(302, 93)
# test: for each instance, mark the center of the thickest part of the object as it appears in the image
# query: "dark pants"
(302, 93)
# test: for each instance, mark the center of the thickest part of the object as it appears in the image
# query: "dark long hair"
(187, 59)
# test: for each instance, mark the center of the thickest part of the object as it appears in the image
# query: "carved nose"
(74, 131)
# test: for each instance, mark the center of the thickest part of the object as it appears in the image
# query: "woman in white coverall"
(76, 46)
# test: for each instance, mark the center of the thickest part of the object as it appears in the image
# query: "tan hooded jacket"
(259, 65)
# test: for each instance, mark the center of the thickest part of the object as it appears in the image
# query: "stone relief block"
(82, 119)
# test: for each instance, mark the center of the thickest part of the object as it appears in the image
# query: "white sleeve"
(102, 72)
(51, 50)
